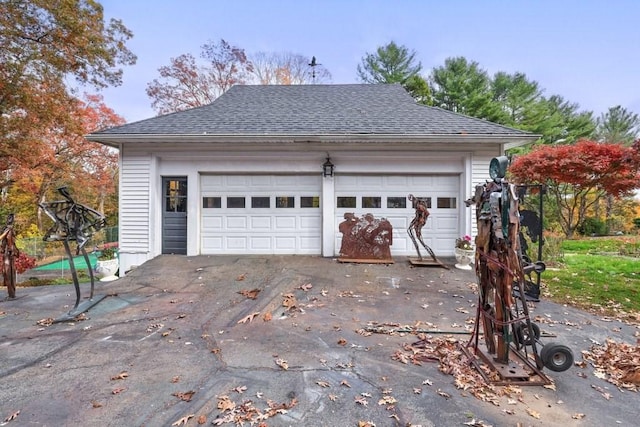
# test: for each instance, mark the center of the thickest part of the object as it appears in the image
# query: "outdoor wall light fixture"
(327, 167)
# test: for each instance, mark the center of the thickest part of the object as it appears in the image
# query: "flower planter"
(106, 270)
(464, 258)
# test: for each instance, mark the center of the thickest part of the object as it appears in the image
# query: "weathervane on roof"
(313, 64)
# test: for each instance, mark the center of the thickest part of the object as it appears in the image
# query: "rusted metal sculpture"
(365, 239)
(501, 273)
(415, 231)
(9, 252)
(74, 222)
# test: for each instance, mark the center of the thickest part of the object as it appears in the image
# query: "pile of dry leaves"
(453, 361)
(618, 363)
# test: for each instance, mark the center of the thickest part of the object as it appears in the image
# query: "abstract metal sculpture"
(415, 231)
(9, 252)
(365, 239)
(501, 272)
(73, 222)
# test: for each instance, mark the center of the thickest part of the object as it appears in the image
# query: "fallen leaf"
(202, 419)
(306, 287)
(577, 416)
(225, 404)
(249, 317)
(289, 301)
(361, 401)
(323, 384)
(121, 376)
(96, 404)
(118, 390)
(241, 277)
(342, 341)
(252, 294)
(417, 390)
(533, 413)
(175, 379)
(282, 363)
(267, 316)
(333, 397)
(240, 389)
(183, 421)
(45, 322)
(186, 396)
(345, 383)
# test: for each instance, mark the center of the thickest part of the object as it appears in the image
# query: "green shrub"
(593, 226)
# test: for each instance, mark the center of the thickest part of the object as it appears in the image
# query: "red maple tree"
(579, 175)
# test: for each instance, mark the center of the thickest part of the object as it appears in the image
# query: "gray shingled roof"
(350, 109)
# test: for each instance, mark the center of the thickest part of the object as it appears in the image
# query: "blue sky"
(587, 51)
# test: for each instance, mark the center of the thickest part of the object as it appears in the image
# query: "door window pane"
(346, 202)
(369, 202)
(260, 202)
(235, 202)
(285, 202)
(396, 202)
(310, 202)
(211, 202)
(176, 195)
(427, 201)
(446, 202)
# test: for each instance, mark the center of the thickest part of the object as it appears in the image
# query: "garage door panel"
(441, 228)
(260, 222)
(260, 243)
(236, 222)
(286, 222)
(279, 226)
(236, 243)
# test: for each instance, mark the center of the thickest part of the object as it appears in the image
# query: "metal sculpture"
(9, 252)
(501, 272)
(73, 222)
(365, 239)
(415, 231)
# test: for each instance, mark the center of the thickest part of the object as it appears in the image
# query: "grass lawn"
(597, 274)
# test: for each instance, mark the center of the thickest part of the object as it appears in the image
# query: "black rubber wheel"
(522, 333)
(556, 357)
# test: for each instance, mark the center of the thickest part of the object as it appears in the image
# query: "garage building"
(246, 173)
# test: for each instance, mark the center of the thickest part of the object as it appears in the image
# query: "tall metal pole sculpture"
(9, 252)
(415, 231)
(74, 222)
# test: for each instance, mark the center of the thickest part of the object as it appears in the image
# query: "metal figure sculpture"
(9, 252)
(73, 222)
(501, 272)
(415, 229)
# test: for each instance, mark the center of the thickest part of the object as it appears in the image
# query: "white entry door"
(260, 214)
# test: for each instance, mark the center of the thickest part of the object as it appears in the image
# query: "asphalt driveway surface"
(278, 341)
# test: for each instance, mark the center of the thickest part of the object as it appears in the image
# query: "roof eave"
(508, 140)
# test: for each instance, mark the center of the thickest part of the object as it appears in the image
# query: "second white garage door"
(261, 214)
(386, 197)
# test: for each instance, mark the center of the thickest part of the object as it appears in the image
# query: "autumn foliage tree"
(44, 44)
(184, 83)
(579, 175)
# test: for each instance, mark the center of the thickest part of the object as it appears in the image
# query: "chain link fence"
(41, 250)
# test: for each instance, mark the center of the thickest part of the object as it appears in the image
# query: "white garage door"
(261, 214)
(386, 197)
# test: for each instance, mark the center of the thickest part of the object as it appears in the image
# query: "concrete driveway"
(282, 341)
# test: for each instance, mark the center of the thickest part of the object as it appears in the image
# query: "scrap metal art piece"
(415, 232)
(501, 271)
(74, 222)
(365, 239)
(9, 252)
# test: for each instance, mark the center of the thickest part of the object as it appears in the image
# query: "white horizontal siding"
(134, 202)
